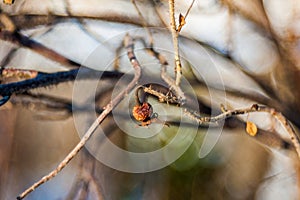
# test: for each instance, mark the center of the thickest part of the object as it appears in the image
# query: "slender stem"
(189, 9)
(178, 68)
(172, 84)
(144, 23)
(181, 99)
(107, 109)
(254, 108)
(167, 96)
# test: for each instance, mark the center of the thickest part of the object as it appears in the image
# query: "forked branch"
(128, 43)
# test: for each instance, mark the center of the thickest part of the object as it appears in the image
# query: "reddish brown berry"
(142, 112)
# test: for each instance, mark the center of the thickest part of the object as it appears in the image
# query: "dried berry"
(142, 112)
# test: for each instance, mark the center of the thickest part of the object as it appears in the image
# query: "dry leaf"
(9, 2)
(251, 128)
(181, 22)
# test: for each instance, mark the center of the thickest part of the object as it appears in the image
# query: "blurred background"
(234, 53)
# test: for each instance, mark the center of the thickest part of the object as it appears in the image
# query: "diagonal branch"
(128, 43)
(24, 41)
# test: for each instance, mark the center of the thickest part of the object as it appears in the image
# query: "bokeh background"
(253, 45)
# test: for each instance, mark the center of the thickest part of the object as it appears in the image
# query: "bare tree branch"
(24, 41)
(48, 79)
(254, 108)
(128, 43)
(178, 70)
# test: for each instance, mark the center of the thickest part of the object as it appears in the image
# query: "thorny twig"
(181, 99)
(172, 84)
(254, 108)
(48, 79)
(128, 43)
(176, 89)
(54, 104)
(163, 96)
(271, 139)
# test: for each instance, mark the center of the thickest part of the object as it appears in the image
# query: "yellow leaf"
(251, 128)
(8, 1)
(181, 22)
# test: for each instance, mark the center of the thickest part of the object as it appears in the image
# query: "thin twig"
(8, 57)
(144, 23)
(178, 68)
(181, 99)
(254, 108)
(189, 9)
(107, 109)
(44, 103)
(166, 96)
(29, 21)
(117, 58)
(157, 5)
(172, 83)
(182, 19)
